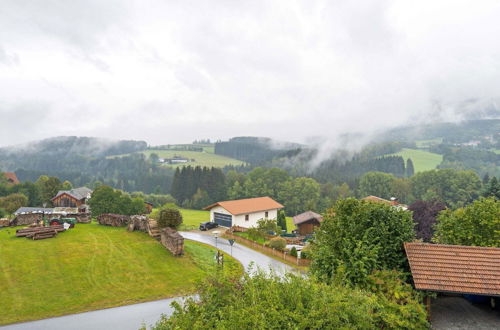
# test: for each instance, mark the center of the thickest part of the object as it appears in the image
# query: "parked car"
(208, 225)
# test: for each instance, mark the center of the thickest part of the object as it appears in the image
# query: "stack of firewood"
(37, 233)
(114, 220)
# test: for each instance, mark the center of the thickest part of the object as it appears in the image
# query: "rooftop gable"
(455, 268)
(77, 193)
(306, 216)
(249, 205)
(11, 177)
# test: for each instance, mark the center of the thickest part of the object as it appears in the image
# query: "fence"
(268, 250)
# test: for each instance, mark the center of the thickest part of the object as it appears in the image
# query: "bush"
(360, 237)
(169, 218)
(266, 226)
(254, 234)
(293, 252)
(262, 301)
(278, 243)
(477, 224)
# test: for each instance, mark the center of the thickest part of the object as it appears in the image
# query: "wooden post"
(428, 307)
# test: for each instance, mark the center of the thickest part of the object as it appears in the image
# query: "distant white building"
(244, 212)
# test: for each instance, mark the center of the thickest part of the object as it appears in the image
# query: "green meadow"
(92, 267)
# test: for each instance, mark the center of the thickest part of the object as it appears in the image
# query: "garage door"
(224, 220)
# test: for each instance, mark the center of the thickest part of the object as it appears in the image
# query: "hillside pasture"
(93, 267)
(422, 160)
(205, 158)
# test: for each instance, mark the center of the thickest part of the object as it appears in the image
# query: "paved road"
(133, 316)
(243, 254)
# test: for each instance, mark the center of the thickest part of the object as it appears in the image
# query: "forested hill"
(69, 146)
(448, 132)
(82, 160)
(256, 150)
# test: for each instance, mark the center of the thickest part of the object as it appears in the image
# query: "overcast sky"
(175, 71)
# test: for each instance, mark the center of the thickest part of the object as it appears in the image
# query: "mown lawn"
(93, 267)
(422, 160)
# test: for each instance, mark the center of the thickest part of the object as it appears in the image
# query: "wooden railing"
(269, 251)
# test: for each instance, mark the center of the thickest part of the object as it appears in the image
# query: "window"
(247, 217)
(267, 215)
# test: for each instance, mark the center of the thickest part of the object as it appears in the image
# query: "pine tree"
(409, 168)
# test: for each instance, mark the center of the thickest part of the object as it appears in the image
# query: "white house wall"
(239, 220)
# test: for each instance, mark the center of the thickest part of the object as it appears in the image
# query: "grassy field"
(93, 267)
(422, 160)
(428, 143)
(192, 218)
(207, 158)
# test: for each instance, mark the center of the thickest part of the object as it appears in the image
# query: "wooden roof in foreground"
(455, 268)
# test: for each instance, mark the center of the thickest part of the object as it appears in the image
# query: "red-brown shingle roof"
(455, 268)
(249, 205)
(11, 177)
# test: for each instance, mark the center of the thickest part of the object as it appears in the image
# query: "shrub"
(477, 224)
(254, 234)
(169, 218)
(293, 252)
(266, 226)
(278, 243)
(360, 237)
(262, 301)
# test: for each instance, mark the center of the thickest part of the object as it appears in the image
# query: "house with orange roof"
(244, 212)
(11, 177)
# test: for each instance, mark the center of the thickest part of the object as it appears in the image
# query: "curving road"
(133, 316)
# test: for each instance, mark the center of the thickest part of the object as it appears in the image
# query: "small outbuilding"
(244, 212)
(307, 222)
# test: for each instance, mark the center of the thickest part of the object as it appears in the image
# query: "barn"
(244, 212)
(306, 222)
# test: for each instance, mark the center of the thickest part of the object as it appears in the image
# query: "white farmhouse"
(244, 212)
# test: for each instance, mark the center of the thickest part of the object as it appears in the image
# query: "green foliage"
(255, 234)
(3, 213)
(478, 224)
(200, 199)
(293, 252)
(48, 187)
(299, 195)
(492, 188)
(12, 202)
(198, 187)
(261, 301)
(455, 188)
(377, 184)
(358, 237)
(402, 308)
(278, 243)
(410, 170)
(267, 226)
(281, 222)
(108, 200)
(169, 218)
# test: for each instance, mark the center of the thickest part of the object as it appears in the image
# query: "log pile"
(114, 220)
(4, 222)
(138, 222)
(37, 233)
(172, 240)
(153, 229)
